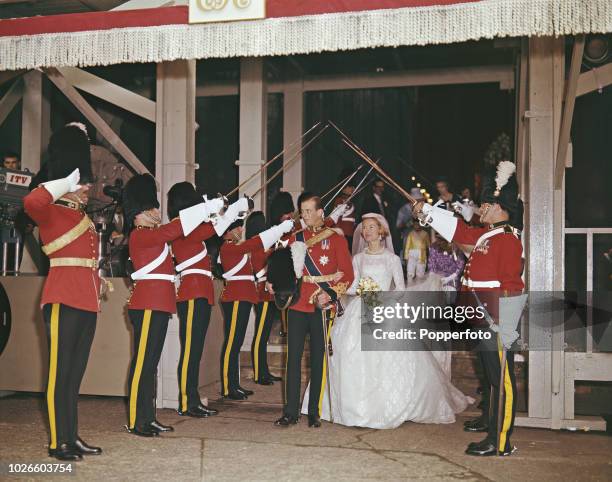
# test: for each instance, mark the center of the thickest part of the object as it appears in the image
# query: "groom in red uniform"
(493, 271)
(327, 272)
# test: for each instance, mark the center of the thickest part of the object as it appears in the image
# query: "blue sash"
(313, 270)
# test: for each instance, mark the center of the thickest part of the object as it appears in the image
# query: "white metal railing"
(589, 232)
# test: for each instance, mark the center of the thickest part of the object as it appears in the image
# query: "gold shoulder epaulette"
(320, 236)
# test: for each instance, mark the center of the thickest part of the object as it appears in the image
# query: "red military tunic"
(74, 286)
(231, 254)
(145, 245)
(346, 222)
(195, 285)
(259, 261)
(496, 260)
(330, 256)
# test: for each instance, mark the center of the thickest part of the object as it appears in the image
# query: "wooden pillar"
(253, 127)
(293, 127)
(174, 162)
(544, 215)
(35, 121)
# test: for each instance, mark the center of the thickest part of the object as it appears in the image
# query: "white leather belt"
(261, 275)
(480, 284)
(240, 277)
(191, 261)
(144, 273)
(205, 272)
(230, 275)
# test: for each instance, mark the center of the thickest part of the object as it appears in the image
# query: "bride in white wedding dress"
(382, 389)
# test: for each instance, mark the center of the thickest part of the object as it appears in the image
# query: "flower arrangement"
(368, 289)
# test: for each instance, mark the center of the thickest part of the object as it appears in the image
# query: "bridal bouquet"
(368, 289)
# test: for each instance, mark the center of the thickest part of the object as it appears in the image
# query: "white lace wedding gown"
(383, 389)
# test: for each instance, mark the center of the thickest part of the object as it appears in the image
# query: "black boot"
(476, 425)
(285, 421)
(236, 395)
(274, 378)
(160, 427)
(143, 432)
(487, 448)
(85, 449)
(264, 381)
(200, 411)
(245, 391)
(67, 452)
(314, 421)
(207, 410)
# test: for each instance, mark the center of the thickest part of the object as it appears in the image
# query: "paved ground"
(241, 443)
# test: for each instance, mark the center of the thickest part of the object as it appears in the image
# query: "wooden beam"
(500, 74)
(595, 79)
(7, 75)
(10, 99)
(568, 109)
(521, 122)
(105, 90)
(92, 116)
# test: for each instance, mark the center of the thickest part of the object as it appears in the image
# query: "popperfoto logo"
(421, 321)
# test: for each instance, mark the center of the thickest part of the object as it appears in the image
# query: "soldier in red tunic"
(239, 296)
(346, 220)
(265, 311)
(70, 298)
(327, 272)
(153, 297)
(281, 209)
(195, 296)
(492, 271)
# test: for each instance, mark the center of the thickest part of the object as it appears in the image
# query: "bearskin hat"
(68, 150)
(234, 225)
(344, 174)
(139, 194)
(285, 267)
(181, 196)
(254, 224)
(281, 204)
(502, 188)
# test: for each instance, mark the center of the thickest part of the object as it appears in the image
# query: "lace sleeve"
(352, 290)
(398, 273)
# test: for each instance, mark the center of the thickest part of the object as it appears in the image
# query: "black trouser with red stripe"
(491, 356)
(235, 320)
(265, 313)
(150, 329)
(194, 317)
(299, 324)
(70, 333)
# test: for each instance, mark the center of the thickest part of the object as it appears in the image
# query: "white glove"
(440, 220)
(234, 211)
(213, 206)
(192, 217)
(465, 209)
(446, 279)
(59, 187)
(270, 236)
(338, 211)
(238, 209)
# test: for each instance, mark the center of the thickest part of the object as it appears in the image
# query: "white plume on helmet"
(505, 170)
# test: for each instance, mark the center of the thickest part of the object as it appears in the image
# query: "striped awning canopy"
(291, 27)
